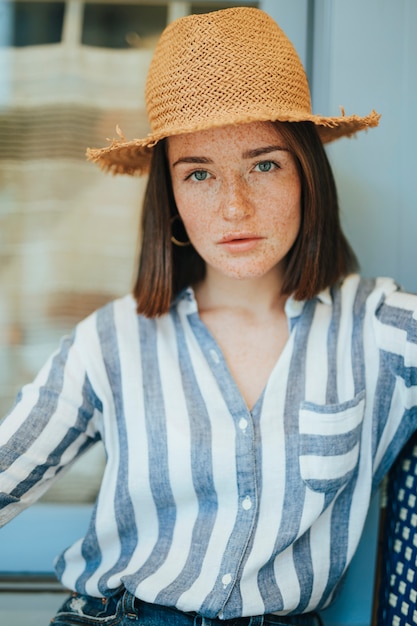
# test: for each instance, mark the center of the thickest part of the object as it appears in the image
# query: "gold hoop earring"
(175, 241)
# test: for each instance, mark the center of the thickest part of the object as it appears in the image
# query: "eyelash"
(192, 175)
(272, 163)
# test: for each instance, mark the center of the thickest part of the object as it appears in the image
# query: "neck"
(257, 295)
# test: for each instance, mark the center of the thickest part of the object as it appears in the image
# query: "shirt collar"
(293, 308)
(186, 301)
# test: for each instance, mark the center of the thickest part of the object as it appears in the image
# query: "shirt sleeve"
(52, 422)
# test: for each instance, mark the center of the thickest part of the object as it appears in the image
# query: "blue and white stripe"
(204, 504)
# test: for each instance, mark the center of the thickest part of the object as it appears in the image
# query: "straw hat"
(232, 66)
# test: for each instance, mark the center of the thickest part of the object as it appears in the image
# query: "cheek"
(288, 218)
(195, 222)
(193, 211)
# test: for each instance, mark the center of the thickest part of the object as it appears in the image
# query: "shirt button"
(227, 579)
(243, 423)
(215, 356)
(247, 503)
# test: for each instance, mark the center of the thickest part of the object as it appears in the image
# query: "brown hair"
(320, 256)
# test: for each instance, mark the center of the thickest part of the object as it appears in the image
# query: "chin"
(245, 273)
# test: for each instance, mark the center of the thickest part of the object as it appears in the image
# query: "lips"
(238, 236)
(240, 242)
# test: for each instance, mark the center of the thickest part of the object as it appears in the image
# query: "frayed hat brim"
(134, 156)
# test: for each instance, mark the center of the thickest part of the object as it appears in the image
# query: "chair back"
(395, 600)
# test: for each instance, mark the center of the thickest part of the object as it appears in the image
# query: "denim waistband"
(169, 615)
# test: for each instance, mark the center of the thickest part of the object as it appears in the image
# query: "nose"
(236, 204)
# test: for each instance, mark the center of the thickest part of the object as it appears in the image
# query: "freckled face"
(237, 191)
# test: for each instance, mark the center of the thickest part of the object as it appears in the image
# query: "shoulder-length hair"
(319, 257)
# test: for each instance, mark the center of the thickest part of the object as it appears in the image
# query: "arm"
(396, 394)
(53, 421)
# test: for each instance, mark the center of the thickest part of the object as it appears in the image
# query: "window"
(34, 23)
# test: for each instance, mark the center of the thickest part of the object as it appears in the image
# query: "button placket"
(247, 503)
(243, 424)
(214, 356)
(245, 452)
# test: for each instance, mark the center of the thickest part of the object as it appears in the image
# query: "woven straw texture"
(226, 67)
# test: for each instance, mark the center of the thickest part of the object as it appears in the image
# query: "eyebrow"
(192, 159)
(249, 154)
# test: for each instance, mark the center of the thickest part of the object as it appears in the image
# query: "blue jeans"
(123, 609)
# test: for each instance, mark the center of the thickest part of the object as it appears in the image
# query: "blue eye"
(265, 166)
(199, 175)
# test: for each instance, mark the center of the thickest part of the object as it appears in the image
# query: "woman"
(253, 391)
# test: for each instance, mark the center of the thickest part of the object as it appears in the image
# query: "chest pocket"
(330, 442)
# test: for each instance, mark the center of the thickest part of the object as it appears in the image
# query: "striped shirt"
(206, 505)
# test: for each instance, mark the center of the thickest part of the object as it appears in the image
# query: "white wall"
(365, 56)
